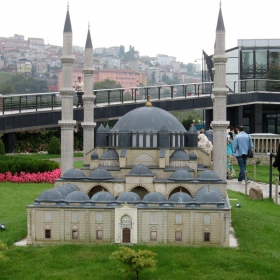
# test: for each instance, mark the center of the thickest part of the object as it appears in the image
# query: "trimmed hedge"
(17, 164)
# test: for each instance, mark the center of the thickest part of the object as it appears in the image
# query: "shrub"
(2, 148)
(54, 146)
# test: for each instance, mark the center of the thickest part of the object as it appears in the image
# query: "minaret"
(88, 100)
(219, 123)
(67, 91)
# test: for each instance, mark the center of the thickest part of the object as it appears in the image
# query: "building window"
(74, 218)
(99, 234)
(178, 219)
(153, 219)
(178, 235)
(47, 233)
(153, 236)
(74, 234)
(98, 217)
(206, 236)
(206, 219)
(47, 216)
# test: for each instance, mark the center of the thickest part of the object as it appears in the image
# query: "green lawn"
(256, 225)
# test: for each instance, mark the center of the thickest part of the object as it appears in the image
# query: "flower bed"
(22, 177)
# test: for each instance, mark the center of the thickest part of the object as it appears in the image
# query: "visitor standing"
(230, 148)
(242, 143)
(79, 86)
(209, 134)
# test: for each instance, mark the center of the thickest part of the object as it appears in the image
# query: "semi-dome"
(94, 155)
(129, 197)
(73, 174)
(179, 155)
(140, 170)
(77, 196)
(103, 196)
(50, 195)
(193, 156)
(148, 119)
(208, 195)
(209, 176)
(181, 175)
(110, 154)
(154, 197)
(100, 174)
(180, 197)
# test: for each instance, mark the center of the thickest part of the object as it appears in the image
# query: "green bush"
(17, 164)
(2, 148)
(54, 146)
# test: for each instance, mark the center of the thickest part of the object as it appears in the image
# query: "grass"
(256, 225)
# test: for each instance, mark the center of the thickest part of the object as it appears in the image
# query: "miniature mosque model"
(144, 182)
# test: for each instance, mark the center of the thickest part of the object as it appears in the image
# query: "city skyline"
(182, 29)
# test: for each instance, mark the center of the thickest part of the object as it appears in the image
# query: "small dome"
(180, 197)
(77, 196)
(101, 128)
(129, 197)
(193, 130)
(110, 154)
(71, 186)
(50, 195)
(64, 191)
(107, 128)
(100, 174)
(179, 155)
(209, 176)
(181, 175)
(193, 156)
(154, 197)
(140, 169)
(74, 174)
(103, 196)
(208, 195)
(94, 155)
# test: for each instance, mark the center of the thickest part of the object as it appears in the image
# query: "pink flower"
(45, 177)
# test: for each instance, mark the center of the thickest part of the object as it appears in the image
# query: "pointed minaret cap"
(220, 23)
(88, 42)
(67, 25)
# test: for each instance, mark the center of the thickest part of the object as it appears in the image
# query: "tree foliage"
(107, 84)
(273, 74)
(2, 148)
(132, 261)
(21, 84)
(54, 146)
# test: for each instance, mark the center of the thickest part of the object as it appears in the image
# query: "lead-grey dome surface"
(77, 196)
(73, 174)
(129, 197)
(64, 191)
(179, 155)
(50, 195)
(180, 197)
(209, 195)
(181, 175)
(148, 119)
(154, 197)
(209, 176)
(100, 174)
(103, 196)
(94, 155)
(71, 186)
(140, 170)
(110, 154)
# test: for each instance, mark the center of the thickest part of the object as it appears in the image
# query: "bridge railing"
(18, 103)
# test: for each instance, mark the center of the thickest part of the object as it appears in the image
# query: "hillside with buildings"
(32, 57)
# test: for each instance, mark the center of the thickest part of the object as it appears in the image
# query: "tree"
(2, 148)
(122, 51)
(107, 84)
(273, 74)
(132, 261)
(153, 77)
(6, 89)
(190, 69)
(54, 146)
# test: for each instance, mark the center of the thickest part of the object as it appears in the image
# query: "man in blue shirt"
(242, 143)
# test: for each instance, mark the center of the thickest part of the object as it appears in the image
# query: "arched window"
(48, 232)
(206, 235)
(178, 234)
(153, 234)
(153, 218)
(178, 219)
(207, 219)
(98, 217)
(75, 233)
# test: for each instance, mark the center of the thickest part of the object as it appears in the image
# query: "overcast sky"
(180, 28)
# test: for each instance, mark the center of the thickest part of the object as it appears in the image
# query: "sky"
(180, 28)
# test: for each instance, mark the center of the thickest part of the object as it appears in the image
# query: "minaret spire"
(219, 97)
(88, 100)
(67, 123)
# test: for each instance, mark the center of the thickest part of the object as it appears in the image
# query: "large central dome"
(148, 119)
